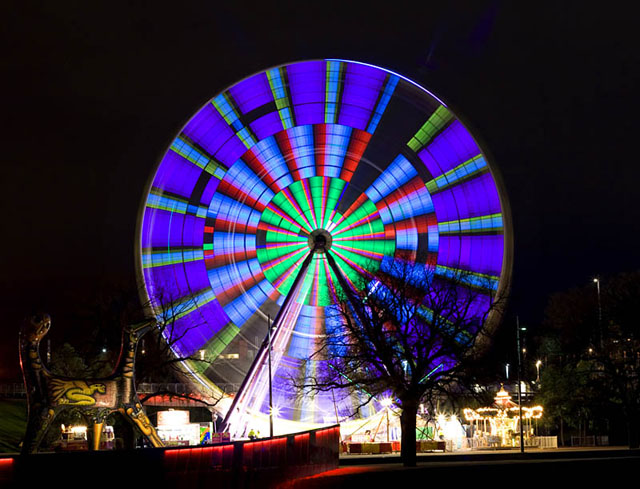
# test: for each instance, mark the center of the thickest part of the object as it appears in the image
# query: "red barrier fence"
(265, 463)
(6, 470)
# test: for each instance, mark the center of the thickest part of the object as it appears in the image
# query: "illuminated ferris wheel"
(290, 181)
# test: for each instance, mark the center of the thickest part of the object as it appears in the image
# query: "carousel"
(499, 424)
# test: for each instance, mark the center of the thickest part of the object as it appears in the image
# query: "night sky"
(92, 95)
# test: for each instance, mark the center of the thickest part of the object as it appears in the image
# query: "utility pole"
(519, 384)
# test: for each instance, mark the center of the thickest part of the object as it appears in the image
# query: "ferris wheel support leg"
(345, 286)
(256, 370)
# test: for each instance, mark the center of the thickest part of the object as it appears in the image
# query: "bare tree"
(404, 332)
(162, 356)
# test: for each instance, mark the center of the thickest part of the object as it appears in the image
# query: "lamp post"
(270, 381)
(519, 384)
(386, 403)
(538, 363)
(597, 282)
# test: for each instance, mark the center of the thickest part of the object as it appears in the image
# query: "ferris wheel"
(285, 184)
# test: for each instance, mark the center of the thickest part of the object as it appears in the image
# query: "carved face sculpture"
(38, 327)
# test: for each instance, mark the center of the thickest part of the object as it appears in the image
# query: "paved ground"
(489, 454)
(571, 466)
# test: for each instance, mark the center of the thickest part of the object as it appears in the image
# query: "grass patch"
(13, 423)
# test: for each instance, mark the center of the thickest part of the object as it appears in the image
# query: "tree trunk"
(633, 428)
(408, 426)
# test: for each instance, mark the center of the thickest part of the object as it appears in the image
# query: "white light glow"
(386, 402)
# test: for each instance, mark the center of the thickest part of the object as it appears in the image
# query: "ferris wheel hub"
(320, 240)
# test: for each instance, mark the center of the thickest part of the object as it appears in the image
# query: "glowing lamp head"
(386, 402)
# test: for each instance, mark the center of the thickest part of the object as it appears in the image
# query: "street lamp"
(597, 282)
(386, 403)
(538, 363)
(270, 381)
(518, 329)
(276, 411)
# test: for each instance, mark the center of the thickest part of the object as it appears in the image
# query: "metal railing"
(495, 442)
(590, 441)
(12, 390)
(175, 388)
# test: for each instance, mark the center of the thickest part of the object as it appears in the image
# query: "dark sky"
(92, 95)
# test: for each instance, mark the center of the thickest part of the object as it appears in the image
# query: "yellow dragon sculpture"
(48, 394)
